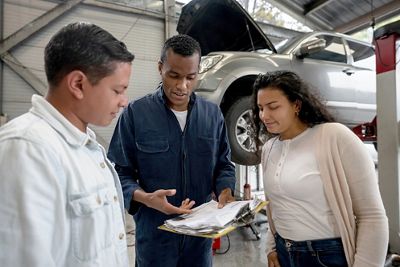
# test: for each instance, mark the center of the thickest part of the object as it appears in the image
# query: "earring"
(297, 112)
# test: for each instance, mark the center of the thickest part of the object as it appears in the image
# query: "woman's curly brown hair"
(312, 111)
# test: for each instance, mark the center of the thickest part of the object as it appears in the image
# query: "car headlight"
(207, 62)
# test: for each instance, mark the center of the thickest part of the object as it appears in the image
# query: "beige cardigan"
(352, 191)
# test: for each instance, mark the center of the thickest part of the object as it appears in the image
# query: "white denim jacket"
(61, 200)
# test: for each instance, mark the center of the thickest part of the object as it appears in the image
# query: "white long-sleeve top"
(294, 186)
(61, 201)
(352, 192)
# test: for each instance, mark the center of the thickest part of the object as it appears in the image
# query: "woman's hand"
(273, 259)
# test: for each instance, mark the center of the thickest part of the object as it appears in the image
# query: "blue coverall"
(151, 152)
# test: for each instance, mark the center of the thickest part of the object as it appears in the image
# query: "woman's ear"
(297, 105)
(75, 83)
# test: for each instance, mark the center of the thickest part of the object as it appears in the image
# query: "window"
(333, 51)
(363, 55)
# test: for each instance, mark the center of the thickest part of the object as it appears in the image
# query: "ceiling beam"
(314, 6)
(125, 8)
(38, 85)
(34, 26)
(297, 12)
(379, 14)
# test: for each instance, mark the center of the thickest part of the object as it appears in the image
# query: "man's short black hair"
(181, 44)
(85, 47)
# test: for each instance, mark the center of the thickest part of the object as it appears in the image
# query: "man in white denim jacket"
(61, 201)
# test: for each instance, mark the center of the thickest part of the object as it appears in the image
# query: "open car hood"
(221, 25)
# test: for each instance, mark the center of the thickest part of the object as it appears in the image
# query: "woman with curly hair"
(325, 206)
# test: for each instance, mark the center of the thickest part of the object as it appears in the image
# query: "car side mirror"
(310, 47)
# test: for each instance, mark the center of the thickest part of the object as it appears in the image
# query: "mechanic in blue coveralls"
(171, 152)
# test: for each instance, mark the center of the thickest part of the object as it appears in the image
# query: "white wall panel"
(145, 77)
(18, 13)
(16, 90)
(15, 109)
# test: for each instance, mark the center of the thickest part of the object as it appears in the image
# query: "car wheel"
(241, 133)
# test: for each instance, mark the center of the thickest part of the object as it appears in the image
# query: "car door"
(362, 59)
(328, 73)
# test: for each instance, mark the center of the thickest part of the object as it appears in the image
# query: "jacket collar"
(163, 98)
(72, 135)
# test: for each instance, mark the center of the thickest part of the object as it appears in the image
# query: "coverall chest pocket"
(155, 161)
(92, 227)
(153, 146)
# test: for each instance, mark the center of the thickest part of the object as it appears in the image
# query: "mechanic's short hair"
(85, 47)
(312, 111)
(181, 44)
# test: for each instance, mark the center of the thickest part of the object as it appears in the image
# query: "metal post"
(1, 61)
(169, 10)
(387, 39)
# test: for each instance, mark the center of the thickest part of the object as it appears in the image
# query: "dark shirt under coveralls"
(150, 151)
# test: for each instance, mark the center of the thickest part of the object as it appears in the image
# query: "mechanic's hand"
(273, 259)
(187, 204)
(225, 197)
(158, 200)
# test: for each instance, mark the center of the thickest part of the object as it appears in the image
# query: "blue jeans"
(311, 253)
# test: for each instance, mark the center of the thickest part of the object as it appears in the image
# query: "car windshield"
(286, 43)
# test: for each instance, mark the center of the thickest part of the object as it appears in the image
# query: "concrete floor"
(244, 248)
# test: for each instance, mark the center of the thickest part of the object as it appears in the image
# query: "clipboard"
(244, 217)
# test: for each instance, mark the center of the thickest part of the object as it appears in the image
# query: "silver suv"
(235, 50)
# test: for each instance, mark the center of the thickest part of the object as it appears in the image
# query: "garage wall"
(142, 34)
(16, 92)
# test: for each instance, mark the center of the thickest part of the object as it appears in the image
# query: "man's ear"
(75, 83)
(160, 64)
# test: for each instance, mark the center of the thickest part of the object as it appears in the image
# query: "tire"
(241, 134)
(376, 145)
